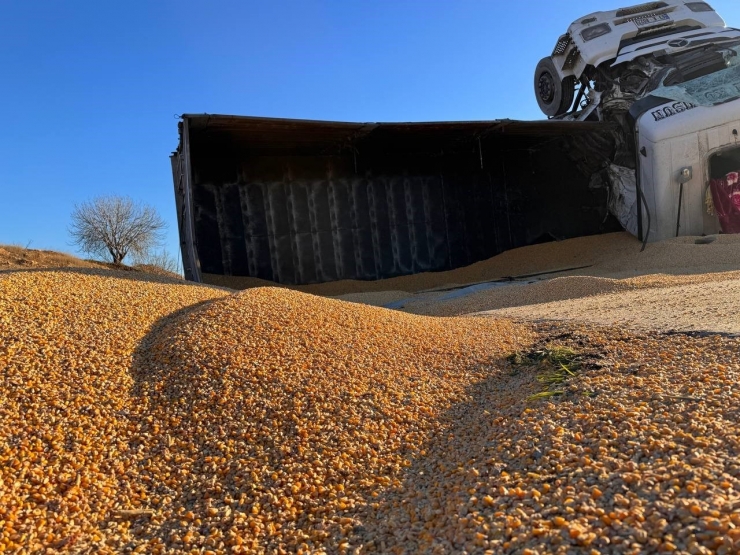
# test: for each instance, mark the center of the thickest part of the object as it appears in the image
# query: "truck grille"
(657, 28)
(650, 6)
(650, 14)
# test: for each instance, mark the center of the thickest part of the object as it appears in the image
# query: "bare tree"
(116, 226)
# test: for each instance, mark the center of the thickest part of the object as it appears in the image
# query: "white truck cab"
(665, 77)
(682, 148)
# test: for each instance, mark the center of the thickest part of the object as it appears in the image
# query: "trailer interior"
(299, 202)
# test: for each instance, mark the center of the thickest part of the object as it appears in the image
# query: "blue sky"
(91, 90)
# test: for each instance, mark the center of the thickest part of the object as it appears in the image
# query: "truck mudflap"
(298, 202)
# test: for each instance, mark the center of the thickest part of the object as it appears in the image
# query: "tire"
(554, 97)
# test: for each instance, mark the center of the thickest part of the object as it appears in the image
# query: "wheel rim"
(546, 87)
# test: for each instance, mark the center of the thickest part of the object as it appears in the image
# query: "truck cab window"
(724, 162)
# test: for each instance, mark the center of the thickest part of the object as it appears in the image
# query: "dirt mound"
(18, 258)
(12, 257)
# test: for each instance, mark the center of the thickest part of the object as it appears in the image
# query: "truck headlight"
(595, 32)
(699, 7)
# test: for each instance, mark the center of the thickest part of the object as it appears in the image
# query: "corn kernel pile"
(153, 417)
(149, 416)
(639, 455)
(66, 422)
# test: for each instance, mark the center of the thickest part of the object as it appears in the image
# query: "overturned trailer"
(643, 135)
(298, 202)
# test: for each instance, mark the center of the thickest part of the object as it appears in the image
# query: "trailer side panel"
(308, 202)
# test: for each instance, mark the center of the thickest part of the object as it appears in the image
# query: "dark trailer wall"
(299, 202)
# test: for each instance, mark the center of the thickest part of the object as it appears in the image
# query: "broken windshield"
(712, 89)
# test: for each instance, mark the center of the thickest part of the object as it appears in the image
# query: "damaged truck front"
(642, 133)
(666, 75)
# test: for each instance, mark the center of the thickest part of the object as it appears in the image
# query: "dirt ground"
(15, 257)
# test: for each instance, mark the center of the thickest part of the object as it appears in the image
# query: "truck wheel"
(555, 97)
